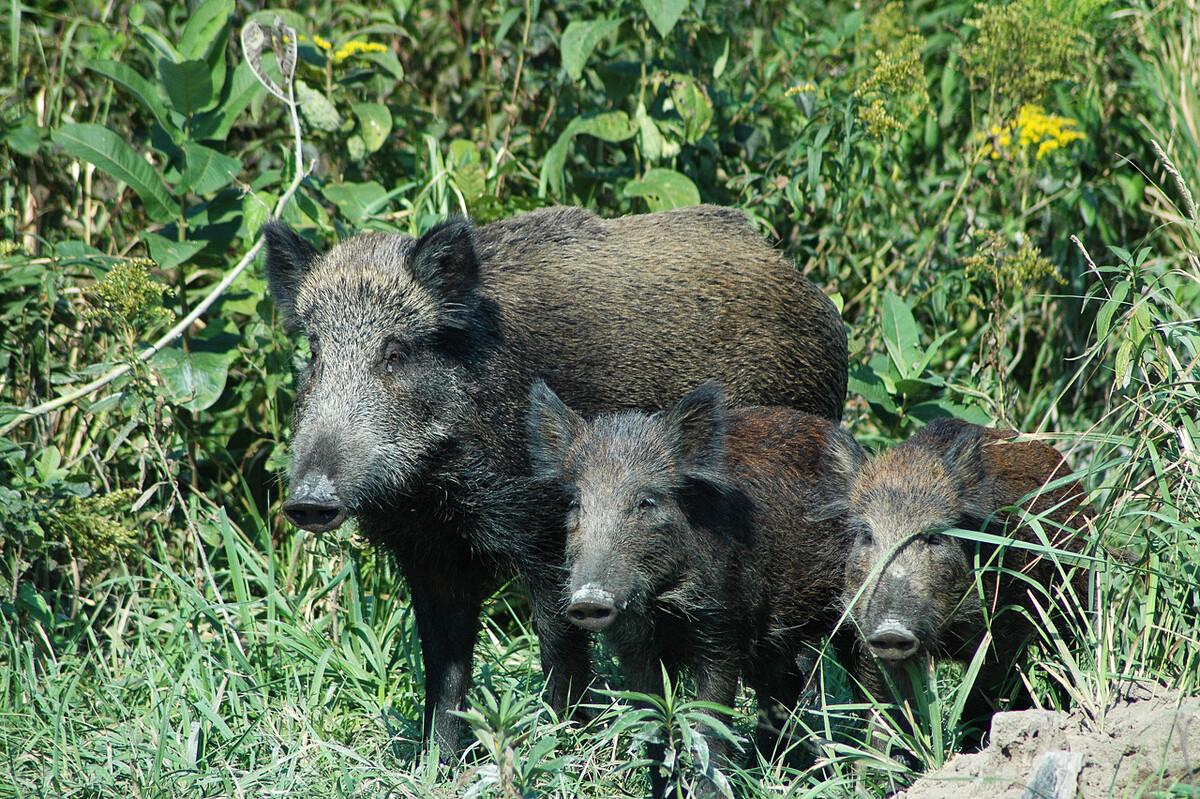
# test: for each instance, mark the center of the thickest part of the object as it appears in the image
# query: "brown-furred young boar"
(702, 538)
(914, 590)
(410, 415)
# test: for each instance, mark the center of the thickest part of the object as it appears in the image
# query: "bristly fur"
(953, 474)
(424, 349)
(736, 568)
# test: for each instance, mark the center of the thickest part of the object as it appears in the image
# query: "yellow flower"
(800, 88)
(322, 42)
(1034, 128)
(356, 47)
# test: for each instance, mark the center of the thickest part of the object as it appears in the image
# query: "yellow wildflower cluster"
(356, 47)
(345, 51)
(1033, 127)
(320, 41)
(800, 88)
(893, 94)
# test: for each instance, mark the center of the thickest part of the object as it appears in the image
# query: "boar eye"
(314, 347)
(935, 539)
(865, 537)
(573, 504)
(647, 503)
(394, 353)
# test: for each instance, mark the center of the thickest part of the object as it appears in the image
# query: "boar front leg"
(717, 682)
(447, 608)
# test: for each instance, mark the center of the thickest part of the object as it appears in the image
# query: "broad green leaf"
(316, 108)
(192, 380)
(188, 83)
(207, 170)
(718, 68)
(663, 189)
(169, 253)
(204, 28)
(32, 602)
(693, 106)
(374, 124)
(941, 408)
(240, 91)
(357, 201)
(651, 138)
(98, 145)
(1124, 363)
(613, 126)
(142, 90)
(900, 334)
(256, 210)
(160, 43)
(580, 39)
(25, 138)
(664, 13)
(1111, 306)
(388, 62)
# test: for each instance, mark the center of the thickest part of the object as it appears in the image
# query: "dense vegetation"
(997, 195)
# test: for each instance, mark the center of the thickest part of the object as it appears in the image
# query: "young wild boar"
(914, 589)
(410, 414)
(702, 538)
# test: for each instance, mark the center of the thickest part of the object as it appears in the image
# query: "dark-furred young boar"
(917, 591)
(702, 538)
(410, 414)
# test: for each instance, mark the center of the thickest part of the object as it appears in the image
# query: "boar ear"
(445, 263)
(551, 427)
(289, 257)
(846, 457)
(697, 424)
(963, 461)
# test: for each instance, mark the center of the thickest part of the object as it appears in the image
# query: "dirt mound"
(1137, 747)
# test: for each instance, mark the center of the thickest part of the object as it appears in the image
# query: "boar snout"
(592, 608)
(313, 504)
(893, 641)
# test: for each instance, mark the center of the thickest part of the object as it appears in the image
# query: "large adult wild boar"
(410, 415)
(915, 591)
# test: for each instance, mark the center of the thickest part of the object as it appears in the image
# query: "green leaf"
(1111, 306)
(1124, 363)
(240, 91)
(204, 28)
(142, 90)
(374, 124)
(693, 106)
(98, 145)
(192, 380)
(900, 334)
(663, 189)
(580, 39)
(188, 83)
(651, 138)
(32, 602)
(613, 126)
(316, 108)
(357, 201)
(160, 43)
(25, 138)
(388, 62)
(207, 170)
(169, 253)
(664, 13)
